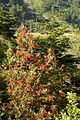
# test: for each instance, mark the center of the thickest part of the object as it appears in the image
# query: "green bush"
(72, 111)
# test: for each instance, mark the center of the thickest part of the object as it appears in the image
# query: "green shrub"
(72, 111)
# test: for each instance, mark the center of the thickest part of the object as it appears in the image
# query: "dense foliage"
(34, 82)
(38, 75)
(7, 30)
(24, 10)
(7, 24)
(72, 111)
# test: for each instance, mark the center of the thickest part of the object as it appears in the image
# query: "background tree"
(7, 24)
(7, 30)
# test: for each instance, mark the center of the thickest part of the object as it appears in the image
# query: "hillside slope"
(67, 10)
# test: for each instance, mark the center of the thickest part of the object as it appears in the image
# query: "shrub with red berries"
(35, 86)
